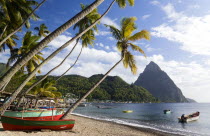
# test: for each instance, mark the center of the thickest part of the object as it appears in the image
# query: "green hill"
(112, 88)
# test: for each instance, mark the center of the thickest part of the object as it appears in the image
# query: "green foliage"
(124, 38)
(112, 88)
(12, 15)
(29, 41)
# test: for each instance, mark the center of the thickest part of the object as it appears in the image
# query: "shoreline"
(85, 126)
(147, 131)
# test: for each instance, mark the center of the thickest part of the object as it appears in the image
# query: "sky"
(179, 44)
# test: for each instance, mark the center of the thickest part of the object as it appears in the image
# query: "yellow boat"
(127, 111)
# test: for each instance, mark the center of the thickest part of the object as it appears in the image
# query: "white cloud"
(155, 2)
(107, 47)
(100, 44)
(4, 56)
(191, 32)
(102, 33)
(108, 21)
(146, 16)
(111, 38)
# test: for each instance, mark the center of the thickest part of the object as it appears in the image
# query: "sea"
(150, 115)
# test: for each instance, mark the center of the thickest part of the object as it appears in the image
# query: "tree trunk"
(71, 109)
(8, 75)
(46, 75)
(14, 95)
(8, 36)
(3, 33)
(71, 66)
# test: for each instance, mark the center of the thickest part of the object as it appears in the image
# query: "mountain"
(159, 84)
(191, 100)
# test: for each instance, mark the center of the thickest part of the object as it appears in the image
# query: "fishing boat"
(189, 118)
(127, 111)
(36, 114)
(104, 107)
(82, 105)
(11, 123)
(167, 111)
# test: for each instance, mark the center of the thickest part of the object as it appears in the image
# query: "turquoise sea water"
(151, 116)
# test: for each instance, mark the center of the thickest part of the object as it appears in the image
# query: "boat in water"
(36, 114)
(167, 111)
(189, 118)
(104, 107)
(11, 123)
(127, 111)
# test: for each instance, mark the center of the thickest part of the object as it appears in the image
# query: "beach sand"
(90, 127)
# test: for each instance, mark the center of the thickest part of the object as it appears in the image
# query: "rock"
(159, 84)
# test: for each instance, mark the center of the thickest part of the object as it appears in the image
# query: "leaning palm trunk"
(8, 36)
(70, 66)
(71, 109)
(3, 32)
(8, 75)
(14, 95)
(46, 75)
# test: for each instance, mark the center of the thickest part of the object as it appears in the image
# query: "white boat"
(190, 117)
(167, 111)
(82, 105)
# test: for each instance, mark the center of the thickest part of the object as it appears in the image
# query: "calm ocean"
(151, 116)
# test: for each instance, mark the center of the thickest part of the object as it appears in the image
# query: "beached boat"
(167, 111)
(36, 114)
(189, 118)
(10, 123)
(127, 111)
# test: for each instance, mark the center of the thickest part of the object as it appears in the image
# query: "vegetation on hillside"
(112, 88)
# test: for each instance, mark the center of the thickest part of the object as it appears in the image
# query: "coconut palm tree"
(42, 30)
(8, 75)
(15, 14)
(6, 78)
(125, 38)
(29, 42)
(87, 38)
(47, 89)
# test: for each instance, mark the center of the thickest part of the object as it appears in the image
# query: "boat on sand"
(36, 114)
(11, 123)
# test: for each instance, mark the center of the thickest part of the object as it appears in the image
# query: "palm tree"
(125, 38)
(15, 14)
(42, 30)
(87, 39)
(47, 89)
(29, 42)
(7, 76)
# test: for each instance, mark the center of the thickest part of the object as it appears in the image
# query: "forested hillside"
(112, 88)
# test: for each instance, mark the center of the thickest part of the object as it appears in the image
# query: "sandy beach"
(90, 127)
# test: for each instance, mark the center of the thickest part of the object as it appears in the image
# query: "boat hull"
(189, 119)
(10, 123)
(37, 113)
(127, 111)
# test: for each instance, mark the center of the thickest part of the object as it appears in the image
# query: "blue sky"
(179, 44)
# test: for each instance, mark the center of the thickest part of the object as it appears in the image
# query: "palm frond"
(115, 32)
(140, 35)
(137, 48)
